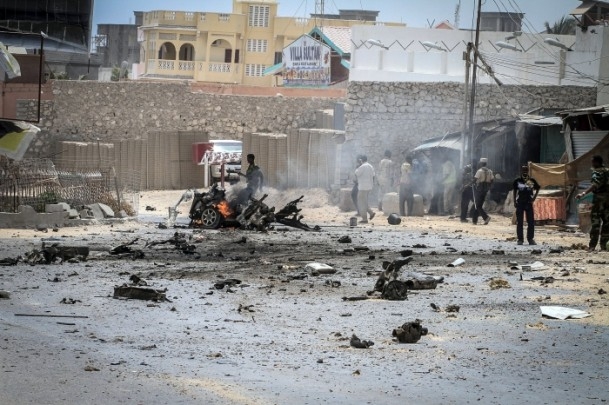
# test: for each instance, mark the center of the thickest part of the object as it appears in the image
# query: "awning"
(8, 64)
(273, 69)
(452, 141)
(583, 8)
(539, 120)
(345, 63)
(15, 138)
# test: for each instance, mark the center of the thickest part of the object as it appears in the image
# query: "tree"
(564, 26)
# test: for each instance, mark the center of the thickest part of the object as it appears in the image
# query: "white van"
(226, 146)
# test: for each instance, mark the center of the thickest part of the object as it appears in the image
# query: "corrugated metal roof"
(584, 141)
(583, 8)
(539, 120)
(581, 111)
(451, 141)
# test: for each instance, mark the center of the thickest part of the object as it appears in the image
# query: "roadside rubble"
(410, 332)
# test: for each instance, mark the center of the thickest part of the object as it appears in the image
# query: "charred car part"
(211, 209)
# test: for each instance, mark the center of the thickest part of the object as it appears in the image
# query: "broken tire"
(210, 218)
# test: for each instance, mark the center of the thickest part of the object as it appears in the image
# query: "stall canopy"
(561, 175)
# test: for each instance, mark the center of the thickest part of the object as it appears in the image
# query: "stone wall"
(398, 116)
(90, 111)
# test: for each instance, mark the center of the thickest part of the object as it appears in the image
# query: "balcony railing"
(199, 70)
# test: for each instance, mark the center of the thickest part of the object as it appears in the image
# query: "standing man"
(467, 191)
(599, 216)
(483, 180)
(365, 182)
(385, 177)
(254, 179)
(449, 180)
(525, 190)
(405, 195)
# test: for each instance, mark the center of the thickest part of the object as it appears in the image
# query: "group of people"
(474, 188)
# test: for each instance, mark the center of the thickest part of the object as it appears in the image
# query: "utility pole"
(464, 137)
(472, 100)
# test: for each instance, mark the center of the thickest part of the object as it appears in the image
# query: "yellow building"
(231, 48)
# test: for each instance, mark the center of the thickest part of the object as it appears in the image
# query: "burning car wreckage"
(213, 209)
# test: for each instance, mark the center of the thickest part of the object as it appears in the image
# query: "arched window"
(167, 51)
(187, 52)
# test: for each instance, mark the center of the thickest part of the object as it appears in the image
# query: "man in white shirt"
(483, 179)
(365, 182)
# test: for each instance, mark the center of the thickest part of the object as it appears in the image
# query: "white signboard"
(306, 62)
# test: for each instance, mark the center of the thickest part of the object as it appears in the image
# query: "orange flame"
(224, 209)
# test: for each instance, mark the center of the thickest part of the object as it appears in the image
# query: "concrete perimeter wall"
(398, 116)
(89, 111)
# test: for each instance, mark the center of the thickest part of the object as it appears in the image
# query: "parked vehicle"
(231, 170)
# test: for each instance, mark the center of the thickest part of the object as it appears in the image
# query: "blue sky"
(415, 13)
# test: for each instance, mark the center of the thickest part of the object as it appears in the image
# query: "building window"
(202, 16)
(170, 15)
(254, 70)
(278, 58)
(257, 45)
(259, 16)
(189, 16)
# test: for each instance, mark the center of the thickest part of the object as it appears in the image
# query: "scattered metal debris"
(139, 293)
(69, 301)
(410, 332)
(344, 239)
(360, 344)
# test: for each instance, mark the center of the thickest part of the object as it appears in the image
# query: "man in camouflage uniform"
(600, 204)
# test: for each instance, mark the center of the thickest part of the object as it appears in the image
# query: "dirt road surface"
(279, 334)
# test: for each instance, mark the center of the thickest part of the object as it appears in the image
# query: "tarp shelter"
(570, 173)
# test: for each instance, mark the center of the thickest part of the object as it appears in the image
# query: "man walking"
(406, 195)
(385, 177)
(364, 175)
(483, 180)
(525, 190)
(449, 180)
(467, 191)
(599, 216)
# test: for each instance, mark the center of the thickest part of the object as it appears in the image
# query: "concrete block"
(345, 202)
(59, 207)
(391, 204)
(95, 211)
(27, 217)
(108, 212)
(87, 213)
(73, 214)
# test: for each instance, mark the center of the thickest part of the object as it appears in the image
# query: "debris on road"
(320, 268)
(139, 293)
(69, 301)
(360, 344)
(5, 295)
(528, 267)
(562, 313)
(410, 332)
(344, 239)
(57, 254)
(497, 283)
(457, 262)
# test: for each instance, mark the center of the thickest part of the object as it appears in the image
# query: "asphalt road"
(281, 336)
